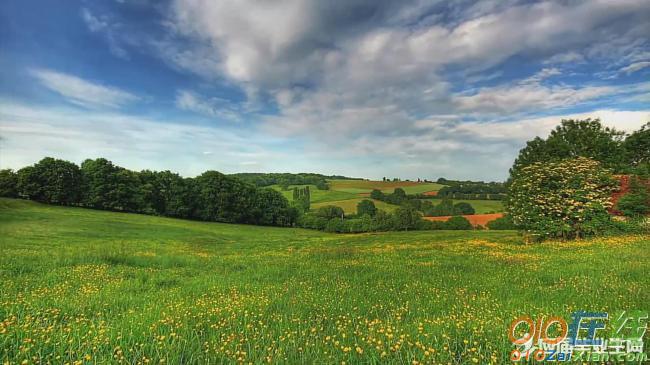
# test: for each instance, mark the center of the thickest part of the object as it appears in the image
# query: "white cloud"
(110, 30)
(211, 107)
(565, 57)
(31, 132)
(378, 74)
(634, 67)
(83, 92)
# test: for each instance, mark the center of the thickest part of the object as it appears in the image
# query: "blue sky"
(360, 88)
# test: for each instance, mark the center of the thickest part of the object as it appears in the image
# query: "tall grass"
(97, 287)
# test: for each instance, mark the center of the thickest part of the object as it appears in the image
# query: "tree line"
(99, 184)
(331, 218)
(445, 208)
(455, 189)
(284, 180)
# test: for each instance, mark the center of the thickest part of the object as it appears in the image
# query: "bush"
(457, 223)
(406, 218)
(636, 203)
(330, 211)
(335, 225)
(464, 208)
(366, 207)
(503, 223)
(8, 183)
(560, 199)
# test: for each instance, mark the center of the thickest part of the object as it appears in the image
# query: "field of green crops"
(83, 286)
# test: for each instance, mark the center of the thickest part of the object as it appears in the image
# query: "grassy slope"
(108, 286)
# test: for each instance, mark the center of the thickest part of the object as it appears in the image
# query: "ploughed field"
(87, 286)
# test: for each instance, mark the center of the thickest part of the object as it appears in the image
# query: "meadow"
(83, 286)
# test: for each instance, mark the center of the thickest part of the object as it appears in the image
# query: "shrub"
(464, 208)
(406, 218)
(8, 183)
(382, 221)
(312, 221)
(335, 225)
(366, 207)
(636, 203)
(503, 223)
(457, 223)
(560, 199)
(330, 211)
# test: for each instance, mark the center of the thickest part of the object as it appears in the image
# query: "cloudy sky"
(361, 88)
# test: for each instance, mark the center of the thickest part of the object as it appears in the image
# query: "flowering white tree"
(567, 199)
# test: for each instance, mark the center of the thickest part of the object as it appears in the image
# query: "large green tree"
(106, 186)
(51, 181)
(575, 138)
(8, 183)
(637, 146)
(405, 218)
(224, 199)
(366, 207)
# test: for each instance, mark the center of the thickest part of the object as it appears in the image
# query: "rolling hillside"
(87, 286)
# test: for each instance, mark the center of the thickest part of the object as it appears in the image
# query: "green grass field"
(317, 196)
(346, 193)
(350, 205)
(480, 206)
(102, 287)
(366, 186)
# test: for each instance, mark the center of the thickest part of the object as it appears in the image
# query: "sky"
(372, 88)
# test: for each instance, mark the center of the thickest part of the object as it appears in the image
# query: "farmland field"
(366, 186)
(481, 206)
(97, 287)
(350, 205)
(317, 196)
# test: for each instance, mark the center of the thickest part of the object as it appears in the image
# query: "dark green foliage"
(397, 197)
(399, 193)
(464, 208)
(110, 187)
(503, 223)
(322, 185)
(366, 207)
(302, 198)
(51, 181)
(330, 211)
(575, 138)
(406, 218)
(636, 202)
(444, 208)
(471, 189)
(100, 184)
(224, 199)
(377, 194)
(8, 183)
(637, 146)
(286, 179)
(457, 223)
